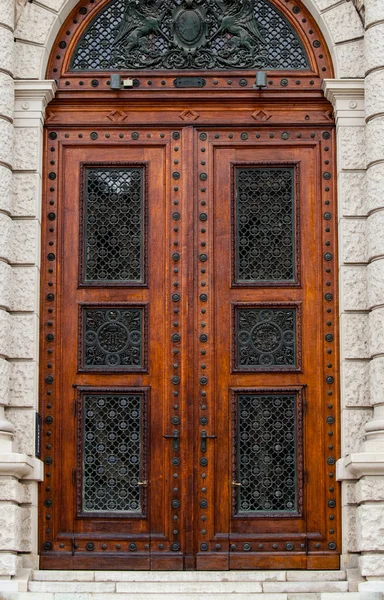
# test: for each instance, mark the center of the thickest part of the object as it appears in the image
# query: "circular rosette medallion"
(113, 337)
(266, 337)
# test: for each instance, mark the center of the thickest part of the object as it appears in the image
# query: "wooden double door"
(193, 415)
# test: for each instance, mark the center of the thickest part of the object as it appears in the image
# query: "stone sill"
(358, 465)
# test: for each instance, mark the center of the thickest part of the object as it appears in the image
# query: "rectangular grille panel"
(266, 454)
(112, 452)
(264, 224)
(114, 224)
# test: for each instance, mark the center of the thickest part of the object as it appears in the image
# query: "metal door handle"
(236, 483)
(175, 440)
(203, 440)
(143, 483)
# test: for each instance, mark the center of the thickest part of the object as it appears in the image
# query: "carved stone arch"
(83, 30)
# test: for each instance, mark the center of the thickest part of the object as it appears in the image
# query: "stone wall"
(358, 55)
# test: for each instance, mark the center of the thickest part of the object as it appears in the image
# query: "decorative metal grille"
(187, 34)
(113, 338)
(265, 338)
(266, 453)
(113, 224)
(112, 441)
(264, 229)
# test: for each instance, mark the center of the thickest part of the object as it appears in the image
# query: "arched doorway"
(189, 330)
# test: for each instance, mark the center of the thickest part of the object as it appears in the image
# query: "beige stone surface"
(370, 489)
(354, 288)
(375, 225)
(374, 187)
(10, 526)
(352, 190)
(55, 4)
(34, 24)
(353, 429)
(374, 47)
(11, 490)
(25, 239)
(4, 333)
(324, 4)
(25, 296)
(25, 156)
(374, 11)
(4, 381)
(8, 564)
(375, 279)
(351, 143)
(26, 195)
(372, 565)
(7, 13)
(23, 384)
(374, 139)
(354, 240)
(6, 226)
(23, 421)
(348, 493)
(376, 380)
(349, 529)
(6, 95)
(5, 284)
(6, 141)
(374, 93)
(370, 527)
(350, 59)
(355, 334)
(23, 330)
(28, 61)
(5, 189)
(6, 50)
(376, 331)
(355, 383)
(344, 22)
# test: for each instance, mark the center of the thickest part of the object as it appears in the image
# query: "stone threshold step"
(208, 596)
(189, 576)
(189, 587)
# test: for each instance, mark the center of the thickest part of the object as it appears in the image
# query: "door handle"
(175, 440)
(143, 483)
(203, 440)
(236, 484)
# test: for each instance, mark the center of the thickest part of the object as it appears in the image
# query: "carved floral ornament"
(189, 34)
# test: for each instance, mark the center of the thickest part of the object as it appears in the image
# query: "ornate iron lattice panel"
(266, 454)
(265, 338)
(112, 338)
(112, 462)
(186, 34)
(113, 222)
(264, 224)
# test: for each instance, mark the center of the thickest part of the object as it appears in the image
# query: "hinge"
(74, 408)
(73, 476)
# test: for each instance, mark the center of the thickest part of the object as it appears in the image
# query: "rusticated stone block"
(375, 234)
(370, 489)
(348, 492)
(375, 183)
(374, 47)
(34, 24)
(6, 95)
(374, 12)
(26, 190)
(8, 564)
(350, 59)
(6, 226)
(11, 490)
(52, 4)
(354, 288)
(354, 240)
(23, 421)
(7, 13)
(376, 331)
(374, 137)
(6, 50)
(5, 284)
(352, 194)
(6, 141)
(24, 289)
(323, 4)
(344, 22)
(24, 242)
(372, 565)
(23, 384)
(349, 528)
(355, 335)
(374, 93)
(26, 148)
(28, 61)
(376, 379)
(23, 336)
(4, 332)
(355, 389)
(351, 147)
(4, 381)
(10, 526)
(370, 527)
(354, 429)
(5, 189)
(375, 272)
